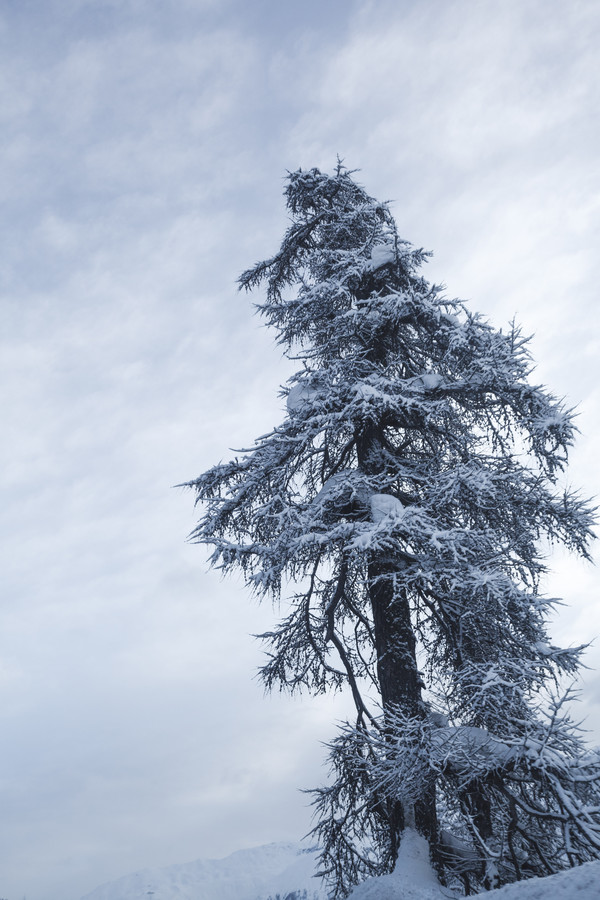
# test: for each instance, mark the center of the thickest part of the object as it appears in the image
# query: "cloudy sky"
(144, 145)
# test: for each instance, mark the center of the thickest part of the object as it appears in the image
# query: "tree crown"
(403, 502)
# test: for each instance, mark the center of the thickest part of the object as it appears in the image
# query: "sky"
(144, 147)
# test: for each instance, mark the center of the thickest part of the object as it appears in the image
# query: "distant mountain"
(271, 872)
(284, 872)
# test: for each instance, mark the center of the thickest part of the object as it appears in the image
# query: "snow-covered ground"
(414, 879)
(284, 872)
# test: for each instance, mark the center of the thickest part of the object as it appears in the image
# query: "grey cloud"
(142, 172)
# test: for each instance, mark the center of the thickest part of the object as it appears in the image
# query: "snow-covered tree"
(402, 512)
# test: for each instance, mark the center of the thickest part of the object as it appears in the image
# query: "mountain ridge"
(283, 870)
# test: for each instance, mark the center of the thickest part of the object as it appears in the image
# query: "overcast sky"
(144, 145)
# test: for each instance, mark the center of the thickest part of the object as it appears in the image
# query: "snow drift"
(415, 879)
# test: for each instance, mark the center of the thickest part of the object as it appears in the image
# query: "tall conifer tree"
(402, 508)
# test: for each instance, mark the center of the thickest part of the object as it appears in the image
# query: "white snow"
(341, 487)
(362, 541)
(581, 883)
(412, 879)
(384, 505)
(430, 380)
(366, 391)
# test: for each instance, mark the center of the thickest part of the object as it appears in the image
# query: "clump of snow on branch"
(381, 255)
(384, 506)
(299, 395)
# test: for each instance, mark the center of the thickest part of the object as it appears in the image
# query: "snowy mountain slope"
(261, 873)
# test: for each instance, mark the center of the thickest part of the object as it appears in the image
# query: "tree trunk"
(395, 644)
(399, 679)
